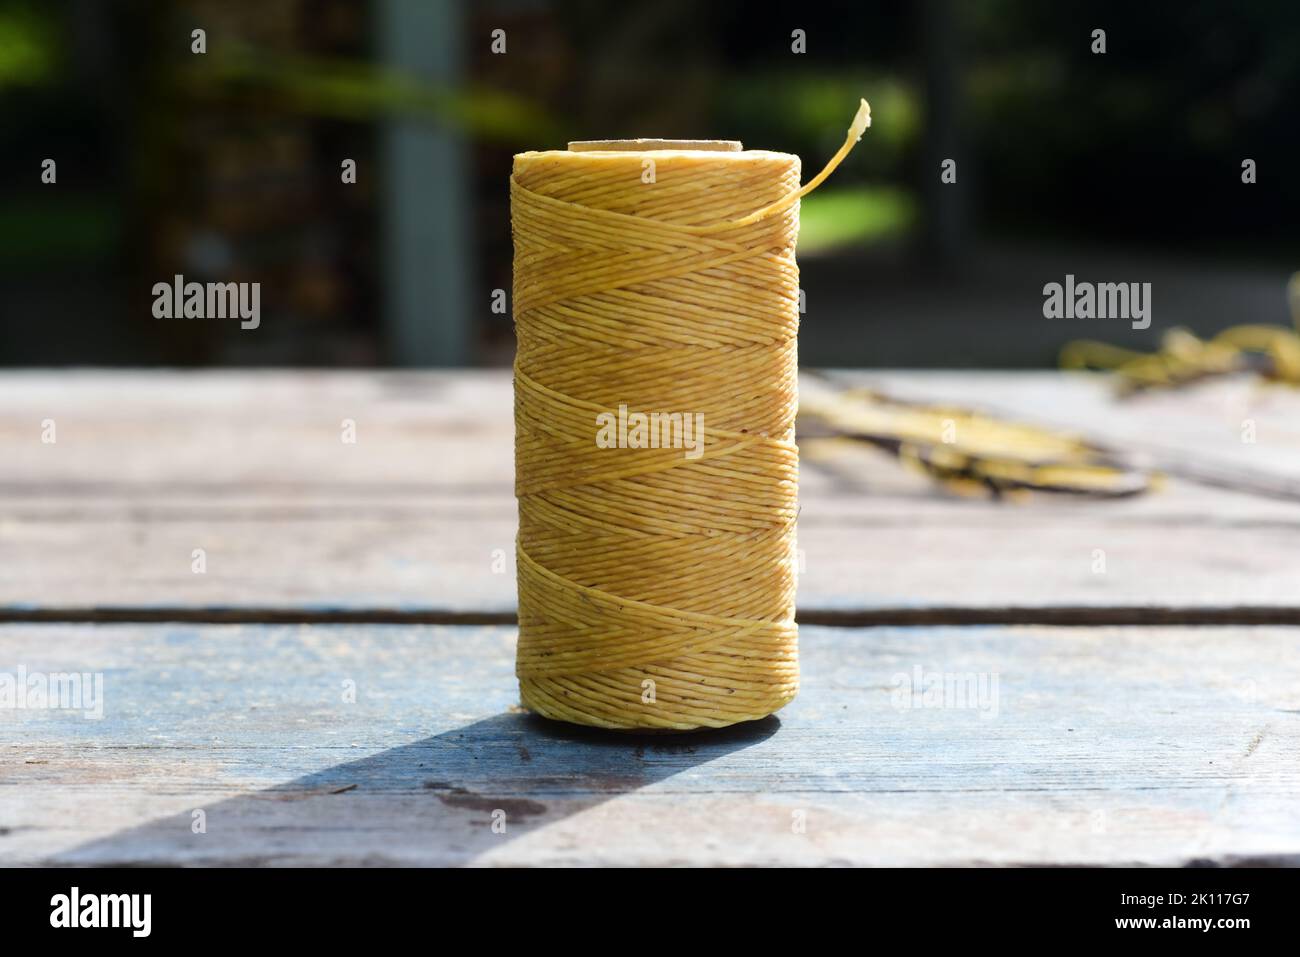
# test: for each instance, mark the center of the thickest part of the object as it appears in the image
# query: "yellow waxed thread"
(657, 585)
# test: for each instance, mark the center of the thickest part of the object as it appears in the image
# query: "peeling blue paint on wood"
(1161, 745)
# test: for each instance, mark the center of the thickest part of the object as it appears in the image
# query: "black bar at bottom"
(649, 908)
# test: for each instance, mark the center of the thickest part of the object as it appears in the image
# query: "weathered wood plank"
(1154, 746)
(878, 552)
(224, 433)
(419, 516)
(164, 431)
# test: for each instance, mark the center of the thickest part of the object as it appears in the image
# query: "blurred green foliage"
(834, 218)
(57, 228)
(355, 90)
(1155, 129)
(29, 47)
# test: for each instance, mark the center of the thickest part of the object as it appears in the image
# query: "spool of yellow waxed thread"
(656, 305)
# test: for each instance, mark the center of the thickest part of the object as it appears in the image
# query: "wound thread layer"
(657, 585)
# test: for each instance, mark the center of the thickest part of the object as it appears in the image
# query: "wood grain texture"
(1153, 746)
(418, 516)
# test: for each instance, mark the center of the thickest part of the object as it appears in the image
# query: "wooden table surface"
(336, 685)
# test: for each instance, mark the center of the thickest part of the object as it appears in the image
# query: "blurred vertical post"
(944, 203)
(427, 264)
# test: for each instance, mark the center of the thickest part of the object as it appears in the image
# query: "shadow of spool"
(431, 801)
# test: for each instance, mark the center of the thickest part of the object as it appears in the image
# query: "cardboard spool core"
(641, 145)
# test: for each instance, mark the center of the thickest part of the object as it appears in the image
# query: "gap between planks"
(1081, 616)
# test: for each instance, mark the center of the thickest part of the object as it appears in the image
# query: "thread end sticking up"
(860, 121)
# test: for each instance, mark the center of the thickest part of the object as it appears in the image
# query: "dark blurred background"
(1122, 167)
